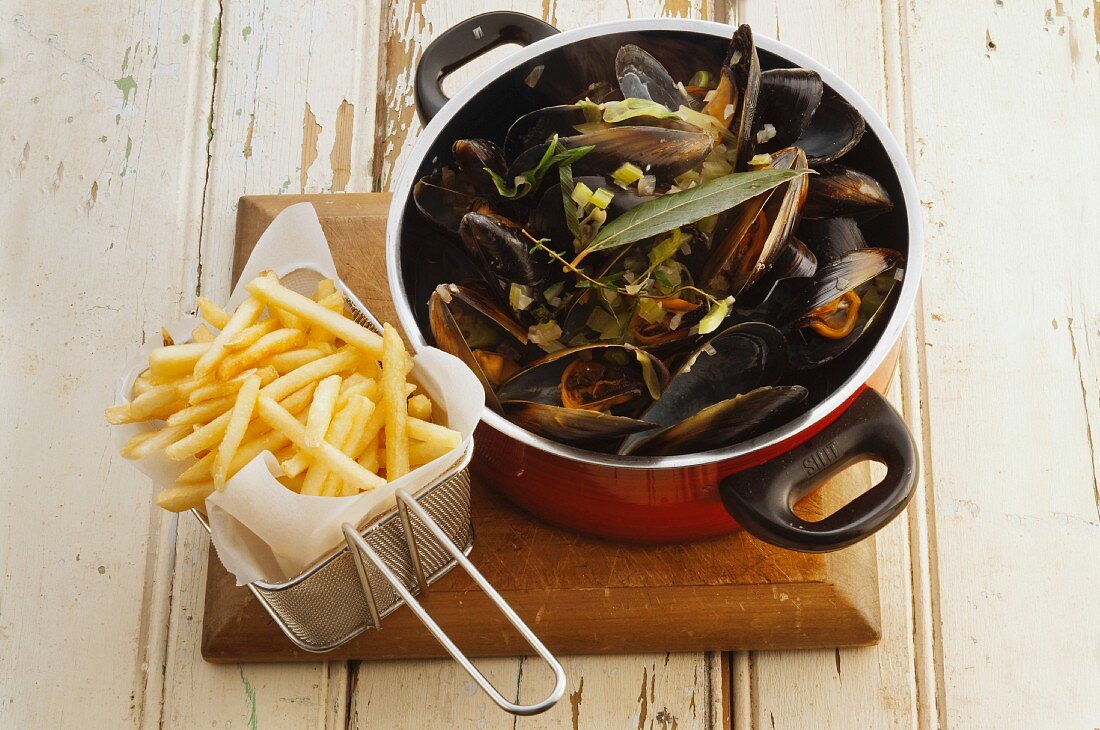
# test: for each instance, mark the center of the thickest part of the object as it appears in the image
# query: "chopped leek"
(582, 194)
(618, 111)
(714, 317)
(627, 174)
(701, 78)
(601, 198)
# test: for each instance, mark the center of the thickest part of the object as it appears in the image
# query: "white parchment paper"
(260, 529)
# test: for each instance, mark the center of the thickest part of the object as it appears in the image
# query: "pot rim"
(914, 259)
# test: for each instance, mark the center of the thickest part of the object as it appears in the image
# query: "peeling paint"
(340, 157)
(215, 37)
(126, 85)
(575, 704)
(311, 130)
(248, 135)
(126, 159)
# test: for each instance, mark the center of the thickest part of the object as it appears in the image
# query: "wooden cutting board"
(580, 595)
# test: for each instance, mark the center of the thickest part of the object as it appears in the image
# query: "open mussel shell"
(832, 238)
(810, 350)
(597, 377)
(504, 250)
(842, 191)
(473, 156)
(843, 275)
(641, 76)
(536, 127)
(788, 99)
(445, 207)
(836, 128)
(665, 153)
(739, 359)
(766, 298)
(590, 429)
(871, 272)
(748, 238)
(477, 331)
(726, 423)
(736, 96)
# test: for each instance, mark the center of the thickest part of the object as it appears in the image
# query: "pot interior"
(427, 258)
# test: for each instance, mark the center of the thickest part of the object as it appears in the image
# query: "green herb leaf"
(687, 206)
(530, 180)
(618, 111)
(565, 177)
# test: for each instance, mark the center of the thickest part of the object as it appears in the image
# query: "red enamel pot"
(753, 484)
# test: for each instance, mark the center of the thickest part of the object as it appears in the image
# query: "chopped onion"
(727, 113)
(710, 95)
(675, 321)
(519, 297)
(762, 160)
(765, 134)
(533, 78)
(545, 335)
(647, 184)
(553, 291)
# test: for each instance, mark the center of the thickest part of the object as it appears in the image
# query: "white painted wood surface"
(132, 129)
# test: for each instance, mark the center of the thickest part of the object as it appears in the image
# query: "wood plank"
(1016, 525)
(874, 686)
(292, 109)
(408, 25)
(586, 595)
(105, 107)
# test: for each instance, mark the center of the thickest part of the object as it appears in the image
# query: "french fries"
(320, 411)
(287, 374)
(394, 363)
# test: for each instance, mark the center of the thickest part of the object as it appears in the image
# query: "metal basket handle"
(359, 547)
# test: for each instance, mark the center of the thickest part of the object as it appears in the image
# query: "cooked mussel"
(842, 191)
(748, 238)
(641, 76)
(474, 157)
(843, 300)
(836, 128)
(735, 99)
(444, 207)
(727, 422)
(662, 152)
(831, 238)
(479, 332)
(591, 429)
(501, 246)
(740, 359)
(594, 381)
(788, 99)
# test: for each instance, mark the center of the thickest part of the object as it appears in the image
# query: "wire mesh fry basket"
(386, 563)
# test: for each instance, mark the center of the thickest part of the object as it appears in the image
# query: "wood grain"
(280, 64)
(124, 120)
(585, 595)
(102, 153)
(1010, 341)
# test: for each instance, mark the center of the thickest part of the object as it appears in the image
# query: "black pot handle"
(760, 498)
(464, 42)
